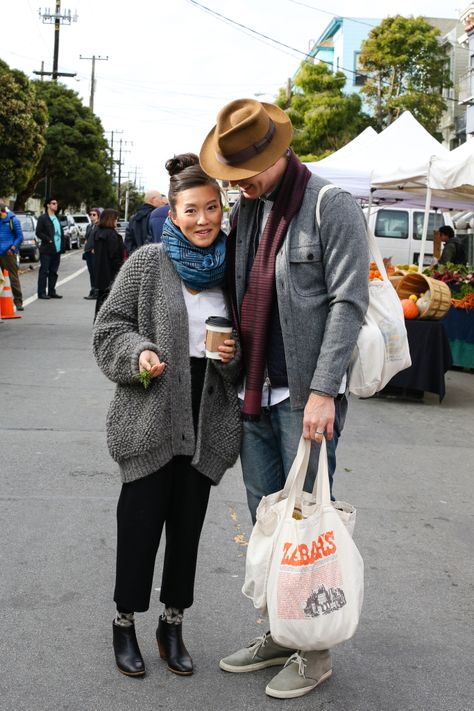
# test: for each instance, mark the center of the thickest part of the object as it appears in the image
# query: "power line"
(327, 12)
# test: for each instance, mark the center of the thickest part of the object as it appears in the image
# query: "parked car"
(29, 248)
(82, 220)
(399, 230)
(72, 232)
(121, 227)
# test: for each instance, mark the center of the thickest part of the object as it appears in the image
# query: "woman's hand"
(227, 350)
(150, 362)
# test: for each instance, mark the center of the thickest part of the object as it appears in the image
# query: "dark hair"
(48, 200)
(446, 230)
(186, 173)
(108, 217)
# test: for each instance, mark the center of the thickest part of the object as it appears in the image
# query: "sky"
(172, 65)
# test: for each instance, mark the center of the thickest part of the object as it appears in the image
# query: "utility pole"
(112, 161)
(57, 19)
(94, 58)
(120, 162)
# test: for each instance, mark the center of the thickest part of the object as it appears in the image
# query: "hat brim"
(258, 163)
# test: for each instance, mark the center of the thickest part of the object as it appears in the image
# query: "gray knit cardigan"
(146, 428)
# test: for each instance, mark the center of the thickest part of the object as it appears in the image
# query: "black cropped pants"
(176, 496)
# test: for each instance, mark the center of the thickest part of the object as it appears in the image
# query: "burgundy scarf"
(256, 308)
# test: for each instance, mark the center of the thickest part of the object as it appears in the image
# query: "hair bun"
(178, 163)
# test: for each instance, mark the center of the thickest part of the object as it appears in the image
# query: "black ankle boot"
(127, 652)
(172, 648)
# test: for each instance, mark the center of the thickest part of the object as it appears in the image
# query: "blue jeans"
(269, 447)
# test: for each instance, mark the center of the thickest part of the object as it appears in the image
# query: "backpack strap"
(321, 193)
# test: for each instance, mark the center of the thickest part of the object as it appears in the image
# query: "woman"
(176, 437)
(108, 253)
(88, 254)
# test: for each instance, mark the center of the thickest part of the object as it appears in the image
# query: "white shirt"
(200, 306)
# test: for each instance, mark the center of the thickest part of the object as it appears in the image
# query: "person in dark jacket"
(157, 220)
(50, 232)
(109, 255)
(453, 250)
(138, 231)
(88, 254)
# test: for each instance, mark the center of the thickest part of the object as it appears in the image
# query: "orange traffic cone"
(7, 307)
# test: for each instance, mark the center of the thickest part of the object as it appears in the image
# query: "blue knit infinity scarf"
(199, 267)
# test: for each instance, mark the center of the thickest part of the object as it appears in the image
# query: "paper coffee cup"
(218, 330)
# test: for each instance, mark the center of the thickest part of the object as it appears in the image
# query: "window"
(392, 223)
(26, 223)
(359, 76)
(434, 223)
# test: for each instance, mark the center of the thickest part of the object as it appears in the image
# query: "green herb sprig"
(145, 378)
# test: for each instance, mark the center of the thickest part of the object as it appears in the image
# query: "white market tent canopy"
(405, 163)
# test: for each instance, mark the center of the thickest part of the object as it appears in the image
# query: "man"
(299, 296)
(50, 232)
(138, 230)
(454, 250)
(11, 236)
(157, 219)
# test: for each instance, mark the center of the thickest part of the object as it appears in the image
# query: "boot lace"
(298, 658)
(258, 643)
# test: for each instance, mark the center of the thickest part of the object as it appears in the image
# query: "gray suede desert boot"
(300, 675)
(262, 652)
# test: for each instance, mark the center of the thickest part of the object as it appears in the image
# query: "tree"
(407, 68)
(23, 119)
(75, 161)
(323, 117)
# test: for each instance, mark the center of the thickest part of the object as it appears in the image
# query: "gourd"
(410, 309)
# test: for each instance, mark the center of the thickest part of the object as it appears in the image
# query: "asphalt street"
(407, 467)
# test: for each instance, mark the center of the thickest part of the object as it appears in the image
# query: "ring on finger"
(319, 433)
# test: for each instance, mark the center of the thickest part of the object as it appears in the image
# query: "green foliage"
(23, 118)
(75, 160)
(323, 117)
(406, 68)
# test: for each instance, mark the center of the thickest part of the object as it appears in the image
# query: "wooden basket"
(440, 293)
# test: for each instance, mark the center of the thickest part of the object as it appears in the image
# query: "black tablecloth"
(430, 356)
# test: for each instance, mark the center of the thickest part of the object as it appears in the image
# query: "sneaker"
(300, 675)
(261, 653)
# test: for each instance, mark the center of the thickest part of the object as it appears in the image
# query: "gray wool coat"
(146, 428)
(321, 277)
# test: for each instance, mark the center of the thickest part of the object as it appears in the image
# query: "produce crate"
(440, 293)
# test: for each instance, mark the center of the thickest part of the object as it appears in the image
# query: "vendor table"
(430, 356)
(459, 327)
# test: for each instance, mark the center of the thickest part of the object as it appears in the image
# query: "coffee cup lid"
(218, 321)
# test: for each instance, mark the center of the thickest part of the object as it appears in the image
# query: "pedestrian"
(138, 231)
(454, 250)
(108, 255)
(49, 230)
(300, 293)
(177, 437)
(11, 236)
(88, 254)
(157, 220)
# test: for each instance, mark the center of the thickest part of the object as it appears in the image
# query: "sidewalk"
(407, 467)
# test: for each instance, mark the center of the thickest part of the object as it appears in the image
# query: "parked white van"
(398, 231)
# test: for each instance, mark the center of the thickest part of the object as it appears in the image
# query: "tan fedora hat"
(249, 137)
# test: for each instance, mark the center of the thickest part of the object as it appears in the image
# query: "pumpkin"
(410, 309)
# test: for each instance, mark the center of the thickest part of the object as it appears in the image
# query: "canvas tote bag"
(270, 513)
(315, 585)
(382, 348)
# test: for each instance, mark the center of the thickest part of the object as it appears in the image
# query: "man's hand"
(318, 418)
